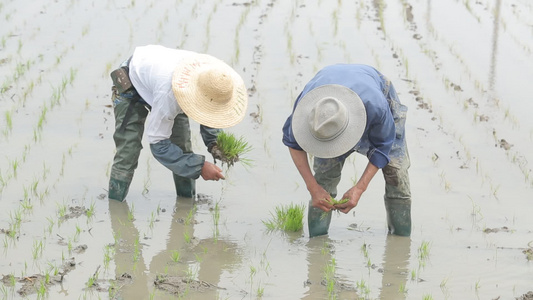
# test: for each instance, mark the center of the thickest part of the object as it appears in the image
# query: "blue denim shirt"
(370, 85)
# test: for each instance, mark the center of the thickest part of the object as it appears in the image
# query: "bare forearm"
(368, 174)
(300, 161)
(319, 196)
(354, 193)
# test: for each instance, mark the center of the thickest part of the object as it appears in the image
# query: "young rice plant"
(287, 218)
(230, 149)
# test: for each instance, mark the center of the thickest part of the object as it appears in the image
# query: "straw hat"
(209, 91)
(329, 120)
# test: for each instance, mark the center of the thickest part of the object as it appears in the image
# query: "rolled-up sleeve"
(288, 136)
(209, 135)
(381, 134)
(183, 164)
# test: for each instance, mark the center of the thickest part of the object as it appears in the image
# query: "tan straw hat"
(209, 91)
(329, 120)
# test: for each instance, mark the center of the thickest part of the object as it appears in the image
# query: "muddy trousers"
(397, 193)
(128, 142)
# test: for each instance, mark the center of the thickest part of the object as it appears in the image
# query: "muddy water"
(462, 68)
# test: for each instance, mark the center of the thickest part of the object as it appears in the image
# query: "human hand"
(211, 172)
(353, 195)
(320, 199)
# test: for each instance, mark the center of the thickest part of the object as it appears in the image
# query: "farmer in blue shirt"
(350, 108)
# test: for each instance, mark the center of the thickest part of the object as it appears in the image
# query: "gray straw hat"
(329, 120)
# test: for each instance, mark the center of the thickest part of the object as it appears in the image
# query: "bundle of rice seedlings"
(286, 218)
(230, 149)
(334, 202)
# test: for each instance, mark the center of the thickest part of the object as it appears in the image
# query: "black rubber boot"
(399, 217)
(185, 187)
(318, 221)
(118, 189)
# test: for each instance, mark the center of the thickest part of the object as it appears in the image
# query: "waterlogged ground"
(463, 67)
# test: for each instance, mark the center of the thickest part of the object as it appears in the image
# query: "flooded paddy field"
(463, 67)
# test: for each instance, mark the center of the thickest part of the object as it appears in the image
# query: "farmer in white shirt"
(168, 87)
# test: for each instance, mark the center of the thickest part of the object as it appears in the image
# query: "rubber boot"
(185, 187)
(399, 217)
(318, 221)
(118, 189)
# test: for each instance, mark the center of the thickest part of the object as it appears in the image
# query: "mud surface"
(462, 67)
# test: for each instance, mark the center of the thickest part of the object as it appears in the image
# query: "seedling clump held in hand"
(333, 202)
(229, 149)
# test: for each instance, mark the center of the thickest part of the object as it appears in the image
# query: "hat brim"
(345, 141)
(198, 106)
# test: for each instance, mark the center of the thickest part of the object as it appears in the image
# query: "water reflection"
(395, 267)
(394, 277)
(129, 263)
(321, 267)
(203, 260)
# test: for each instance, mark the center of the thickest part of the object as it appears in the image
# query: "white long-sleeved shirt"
(150, 70)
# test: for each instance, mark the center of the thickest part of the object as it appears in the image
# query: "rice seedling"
(109, 251)
(14, 225)
(260, 291)
(90, 212)
(364, 249)
(427, 297)
(69, 246)
(443, 283)
(61, 210)
(92, 280)
(187, 237)
(136, 250)
(216, 218)
(402, 289)
(51, 223)
(413, 275)
(175, 256)
(9, 121)
(190, 215)
(44, 193)
(77, 233)
(363, 288)
(63, 162)
(333, 202)
(113, 290)
(131, 217)
(151, 221)
(26, 205)
(286, 218)
(41, 291)
(230, 149)
(34, 187)
(85, 30)
(192, 271)
(447, 184)
(423, 250)
(329, 277)
(253, 271)
(14, 166)
(3, 292)
(37, 249)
